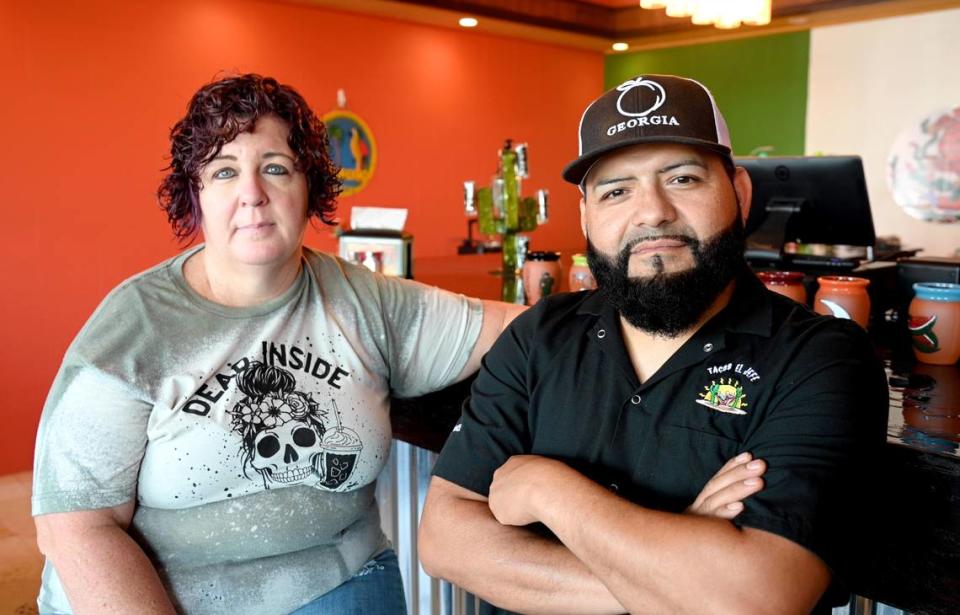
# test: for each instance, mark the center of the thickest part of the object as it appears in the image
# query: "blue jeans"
(376, 589)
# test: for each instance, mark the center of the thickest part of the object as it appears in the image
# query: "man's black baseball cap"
(649, 109)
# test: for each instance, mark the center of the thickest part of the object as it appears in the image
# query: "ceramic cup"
(844, 297)
(935, 322)
(541, 275)
(786, 283)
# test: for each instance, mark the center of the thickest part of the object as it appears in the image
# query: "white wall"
(870, 80)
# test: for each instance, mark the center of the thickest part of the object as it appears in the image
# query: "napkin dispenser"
(385, 251)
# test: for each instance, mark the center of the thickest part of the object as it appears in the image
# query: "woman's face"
(253, 201)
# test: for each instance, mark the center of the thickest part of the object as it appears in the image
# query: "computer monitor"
(808, 200)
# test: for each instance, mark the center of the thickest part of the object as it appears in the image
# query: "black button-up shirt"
(804, 392)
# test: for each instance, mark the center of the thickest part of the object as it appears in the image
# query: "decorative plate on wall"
(923, 169)
(353, 149)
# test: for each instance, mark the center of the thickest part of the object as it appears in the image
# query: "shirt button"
(707, 347)
(602, 333)
(635, 400)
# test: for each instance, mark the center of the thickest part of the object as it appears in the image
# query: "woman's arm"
(100, 566)
(496, 316)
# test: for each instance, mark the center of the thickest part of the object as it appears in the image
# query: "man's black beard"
(668, 304)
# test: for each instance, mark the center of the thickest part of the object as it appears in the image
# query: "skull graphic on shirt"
(288, 453)
(283, 431)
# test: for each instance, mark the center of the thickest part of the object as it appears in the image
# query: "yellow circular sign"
(352, 148)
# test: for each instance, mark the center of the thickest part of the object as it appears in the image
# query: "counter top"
(914, 563)
(477, 275)
(924, 407)
(474, 275)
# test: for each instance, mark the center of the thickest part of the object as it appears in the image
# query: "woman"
(212, 439)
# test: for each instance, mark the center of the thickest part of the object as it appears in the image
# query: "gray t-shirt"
(251, 438)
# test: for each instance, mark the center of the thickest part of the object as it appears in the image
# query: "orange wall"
(89, 92)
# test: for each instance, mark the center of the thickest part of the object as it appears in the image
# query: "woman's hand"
(723, 494)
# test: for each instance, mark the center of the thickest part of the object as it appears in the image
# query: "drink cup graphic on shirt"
(339, 448)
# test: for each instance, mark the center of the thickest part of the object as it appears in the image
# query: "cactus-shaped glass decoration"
(500, 210)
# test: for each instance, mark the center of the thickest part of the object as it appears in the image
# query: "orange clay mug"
(844, 297)
(541, 275)
(786, 283)
(935, 322)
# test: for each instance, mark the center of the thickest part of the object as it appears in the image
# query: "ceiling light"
(620, 46)
(723, 14)
(468, 22)
(682, 8)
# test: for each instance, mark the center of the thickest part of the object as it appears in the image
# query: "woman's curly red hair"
(217, 113)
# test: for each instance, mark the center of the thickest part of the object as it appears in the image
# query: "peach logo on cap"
(640, 82)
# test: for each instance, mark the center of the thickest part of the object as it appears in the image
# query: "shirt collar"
(750, 309)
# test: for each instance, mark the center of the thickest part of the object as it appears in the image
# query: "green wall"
(760, 84)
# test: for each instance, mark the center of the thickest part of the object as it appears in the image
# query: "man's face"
(664, 231)
(657, 200)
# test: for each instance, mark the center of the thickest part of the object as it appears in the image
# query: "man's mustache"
(685, 239)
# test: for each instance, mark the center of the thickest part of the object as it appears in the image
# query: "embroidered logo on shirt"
(741, 369)
(724, 395)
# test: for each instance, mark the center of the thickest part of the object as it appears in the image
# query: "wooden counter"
(914, 563)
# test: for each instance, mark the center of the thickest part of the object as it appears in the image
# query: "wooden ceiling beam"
(446, 18)
(569, 15)
(792, 19)
(591, 26)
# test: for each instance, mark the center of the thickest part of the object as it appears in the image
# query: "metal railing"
(401, 490)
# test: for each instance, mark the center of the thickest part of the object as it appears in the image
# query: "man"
(599, 416)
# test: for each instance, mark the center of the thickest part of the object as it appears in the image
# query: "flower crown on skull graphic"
(282, 431)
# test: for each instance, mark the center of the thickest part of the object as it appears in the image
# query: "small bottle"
(371, 260)
(580, 277)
